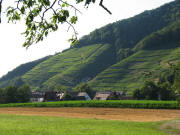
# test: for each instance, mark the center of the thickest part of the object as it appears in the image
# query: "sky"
(12, 54)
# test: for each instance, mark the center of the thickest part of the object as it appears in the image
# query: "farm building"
(37, 97)
(83, 96)
(102, 95)
(79, 96)
(109, 95)
(52, 96)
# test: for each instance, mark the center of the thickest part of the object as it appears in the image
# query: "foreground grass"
(106, 104)
(171, 127)
(35, 125)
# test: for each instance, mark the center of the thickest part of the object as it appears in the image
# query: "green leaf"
(73, 20)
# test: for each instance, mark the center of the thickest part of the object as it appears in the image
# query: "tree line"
(166, 88)
(14, 94)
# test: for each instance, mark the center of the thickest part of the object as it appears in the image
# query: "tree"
(17, 82)
(2, 96)
(166, 92)
(44, 16)
(84, 87)
(176, 85)
(23, 94)
(59, 87)
(153, 91)
(11, 94)
(67, 97)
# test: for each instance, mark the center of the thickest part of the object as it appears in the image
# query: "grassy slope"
(33, 125)
(20, 71)
(133, 71)
(71, 66)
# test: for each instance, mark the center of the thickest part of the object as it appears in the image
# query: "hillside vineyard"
(118, 56)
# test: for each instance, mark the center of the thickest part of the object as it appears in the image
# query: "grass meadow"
(40, 125)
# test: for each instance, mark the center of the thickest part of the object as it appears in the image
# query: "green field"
(146, 104)
(35, 125)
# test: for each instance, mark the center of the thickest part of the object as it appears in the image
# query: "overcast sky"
(12, 54)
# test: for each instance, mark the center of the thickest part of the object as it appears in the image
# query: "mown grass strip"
(104, 104)
(38, 125)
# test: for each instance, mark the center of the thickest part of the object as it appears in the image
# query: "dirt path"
(99, 113)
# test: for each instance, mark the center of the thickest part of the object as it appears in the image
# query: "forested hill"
(127, 33)
(117, 56)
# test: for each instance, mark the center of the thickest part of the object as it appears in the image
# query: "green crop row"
(106, 104)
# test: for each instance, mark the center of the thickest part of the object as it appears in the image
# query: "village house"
(102, 95)
(83, 96)
(79, 96)
(52, 96)
(37, 97)
(105, 95)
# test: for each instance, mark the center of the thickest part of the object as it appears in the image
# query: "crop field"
(137, 115)
(103, 104)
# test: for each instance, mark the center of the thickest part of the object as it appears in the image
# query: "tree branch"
(0, 9)
(101, 4)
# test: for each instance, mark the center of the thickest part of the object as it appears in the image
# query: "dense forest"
(125, 55)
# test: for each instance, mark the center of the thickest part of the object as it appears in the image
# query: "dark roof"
(37, 95)
(72, 93)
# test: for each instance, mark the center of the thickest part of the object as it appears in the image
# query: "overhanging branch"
(0, 9)
(101, 4)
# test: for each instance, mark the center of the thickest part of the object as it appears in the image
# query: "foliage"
(84, 87)
(152, 91)
(176, 85)
(67, 97)
(160, 39)
(59, 87)
(44, 16)
(2, 96)
(147, 104)
(13, 94)
(23, 125)
(114, 96)
(17, 82)
(127, 33)
(24, 94)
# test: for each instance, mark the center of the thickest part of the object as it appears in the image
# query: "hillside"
(19, 71)
(153, 55)
(118, 56)
(71, 67)
(131, 72)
